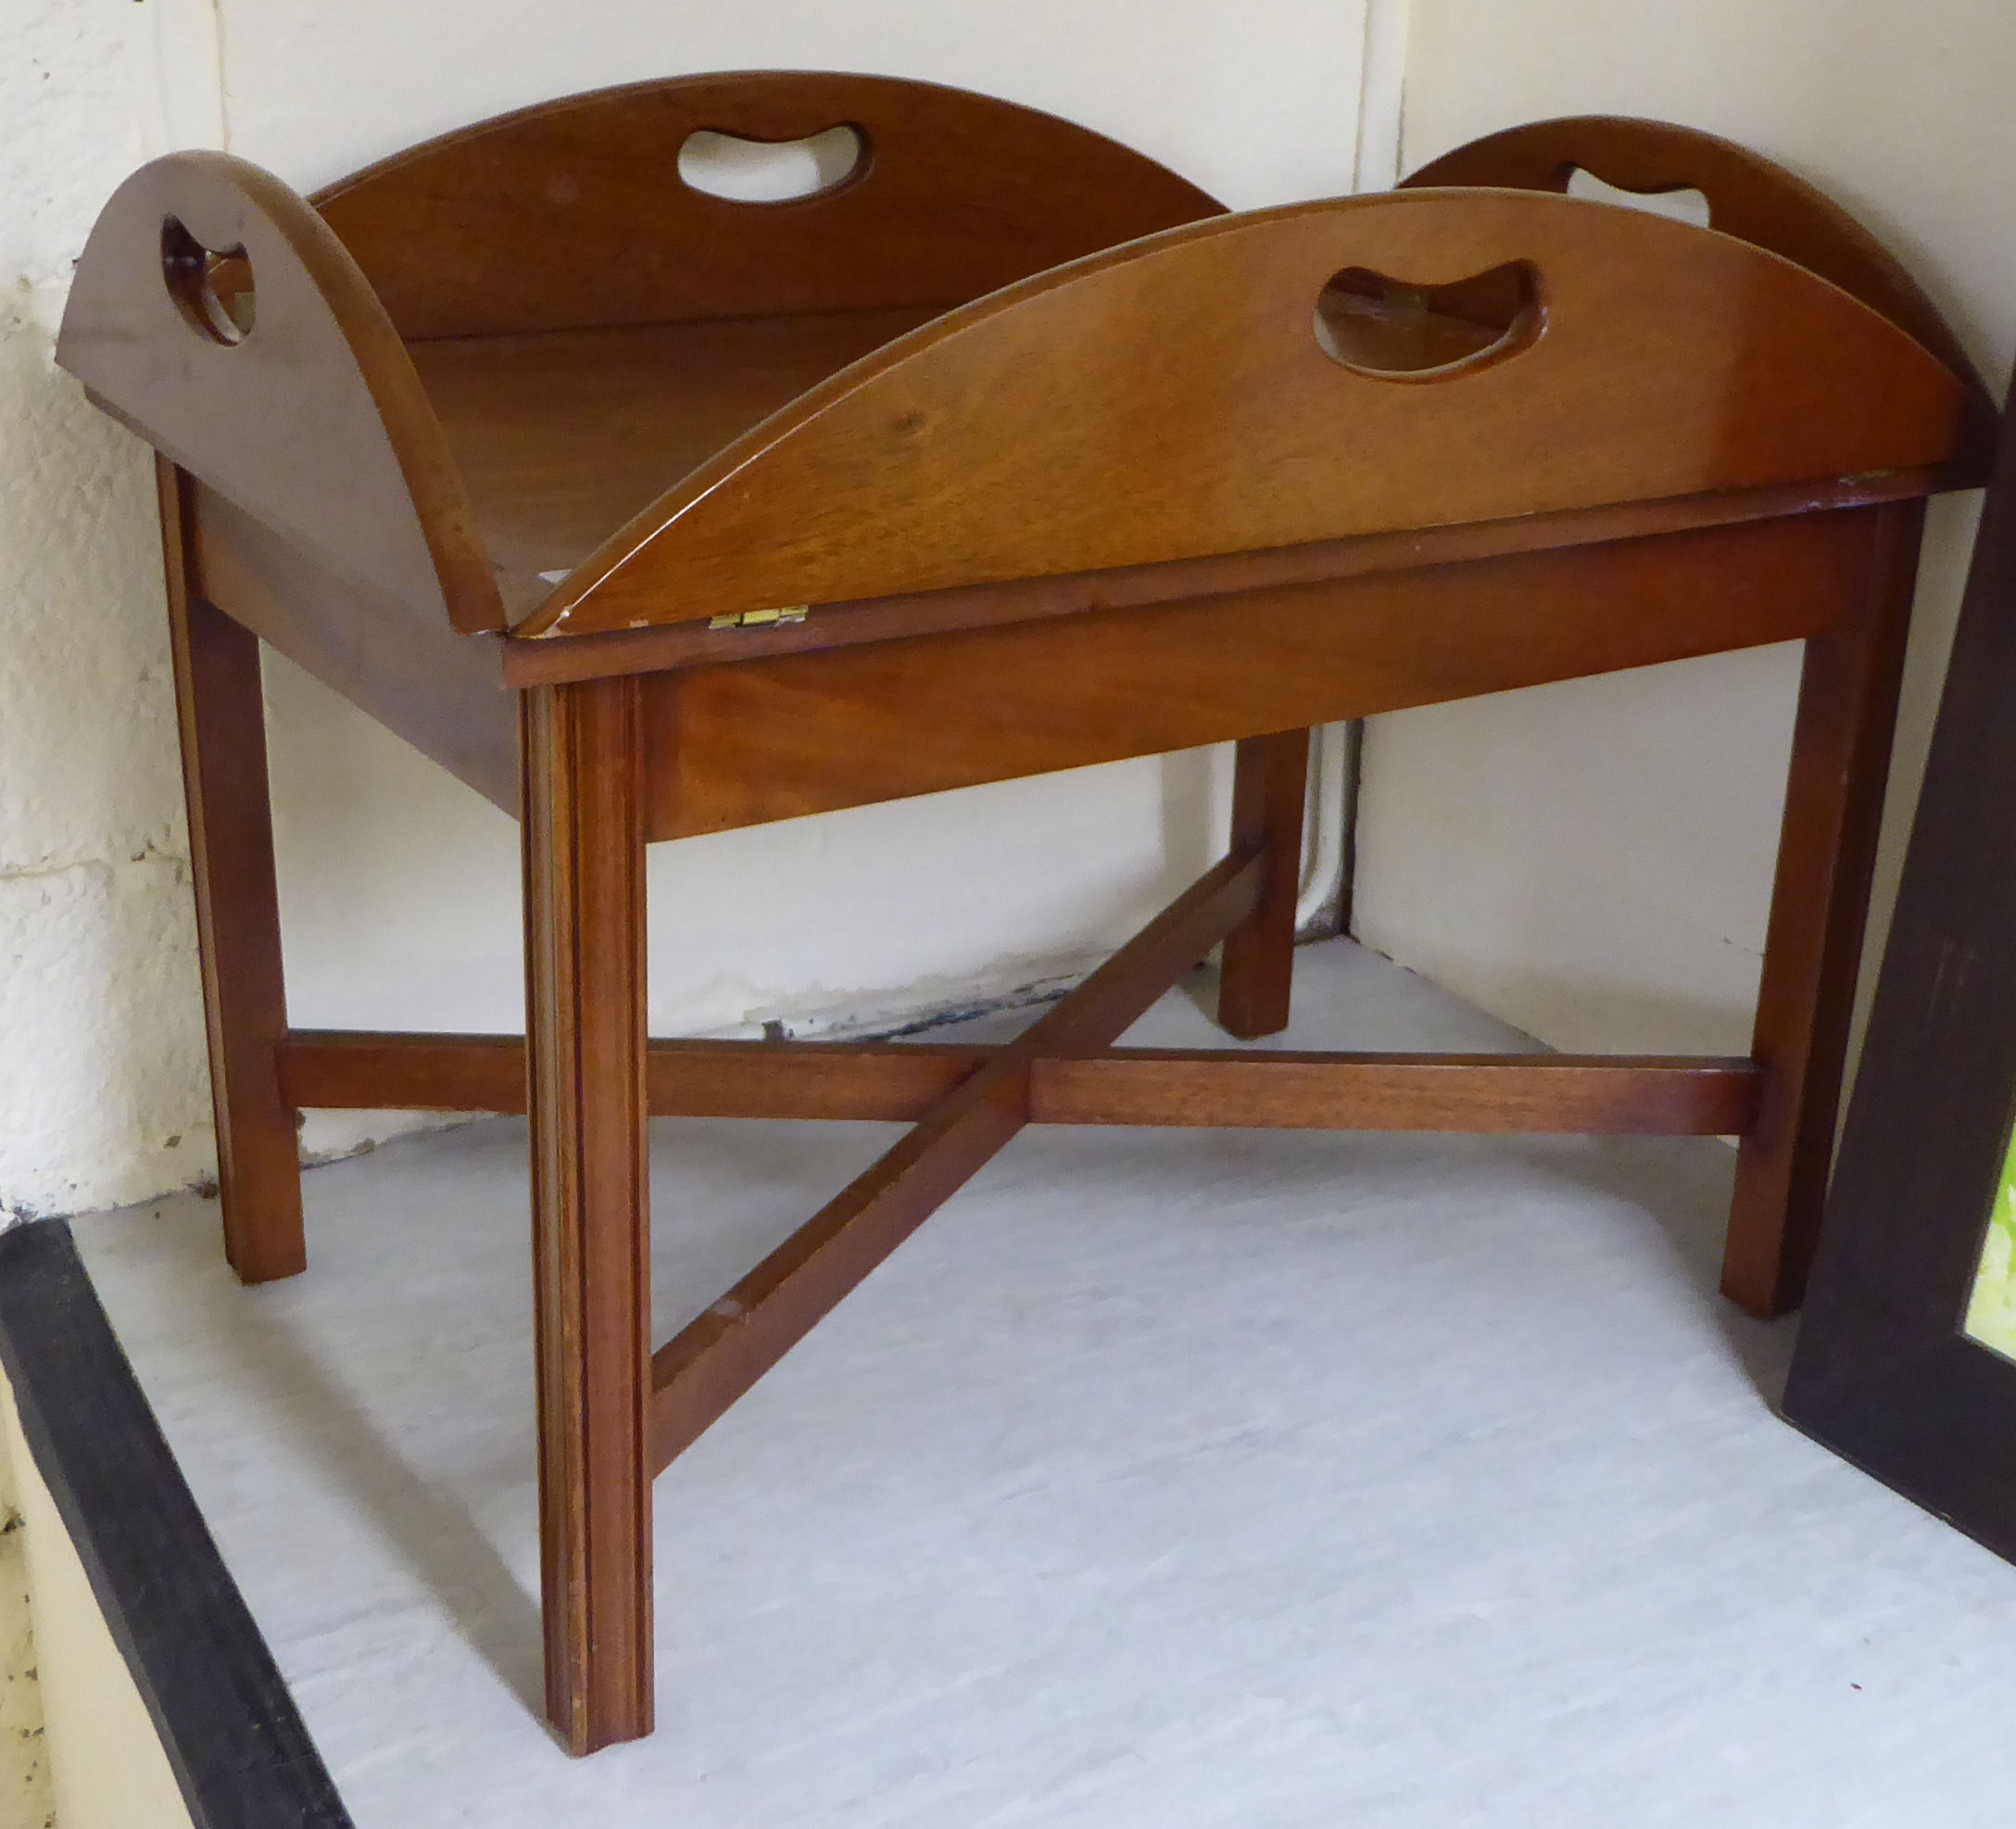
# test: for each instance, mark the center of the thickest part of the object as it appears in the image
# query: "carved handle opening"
(739, 169)
(1677, 202)
(212, 287)
(1391, 330)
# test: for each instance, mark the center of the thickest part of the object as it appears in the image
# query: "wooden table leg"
(1812, 954)
(223, 719)
(1269, 784)
(584, 969)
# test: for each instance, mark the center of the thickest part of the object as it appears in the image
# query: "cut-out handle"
(211, 288)
(1677, 204)
(745, 171)
(1393, 330)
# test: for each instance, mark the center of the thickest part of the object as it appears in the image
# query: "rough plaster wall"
(102, 1081)
(1591, 860)
(399, 886)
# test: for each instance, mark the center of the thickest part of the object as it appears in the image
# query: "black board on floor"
(235, 1742)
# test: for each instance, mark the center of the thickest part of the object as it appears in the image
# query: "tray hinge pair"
(761, 619)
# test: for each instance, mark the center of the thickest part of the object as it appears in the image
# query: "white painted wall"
(399, 886)
(1591, 860)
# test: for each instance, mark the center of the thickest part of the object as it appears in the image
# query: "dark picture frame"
(1883, 1372)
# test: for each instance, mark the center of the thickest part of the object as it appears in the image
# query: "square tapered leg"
(1813, 949)
(584, 970)
(1269, 784)
(223, 720)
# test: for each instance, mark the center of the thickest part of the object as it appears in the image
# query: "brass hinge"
(761, 619)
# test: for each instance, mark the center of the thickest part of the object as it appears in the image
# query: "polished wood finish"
(952, 457)
(415, 675)
(900, 1081)
(584, 972)
(716, 1357)
(221, 717)
(1446, 627)
(315, 422)
(562, 437)
(1051, 465)
(678, 645)
(1624, 1094)
(359, 1069)
(959, 194)
(1747, 197)
(1813, 948)
(774, 738)
(1270, 779)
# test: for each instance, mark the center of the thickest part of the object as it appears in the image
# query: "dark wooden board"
(1882, 1372)
(232, 1736)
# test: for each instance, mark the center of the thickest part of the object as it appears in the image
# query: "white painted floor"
(1165, 1479)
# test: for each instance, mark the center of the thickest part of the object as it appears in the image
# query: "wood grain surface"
(1270, 775)
(221, 717)
(1747, 195)
(591, 1216)
(530, 663)
(315, 422)
(1521, 1094)
(900, 1081)
(1819, 901)
(1170, 400)
(795, 733)
(1063, 466)
(405, 667)
(561, 436)
(572, 214)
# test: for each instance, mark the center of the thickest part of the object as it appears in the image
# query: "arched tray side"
(314, 420)
(1749, 196)
(1171, 400)
(573, 215)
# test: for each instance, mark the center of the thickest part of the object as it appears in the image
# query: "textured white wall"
(102, 1082)
(1591, 860)
(399, 887)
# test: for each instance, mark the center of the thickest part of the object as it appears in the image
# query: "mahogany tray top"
(650, 513)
